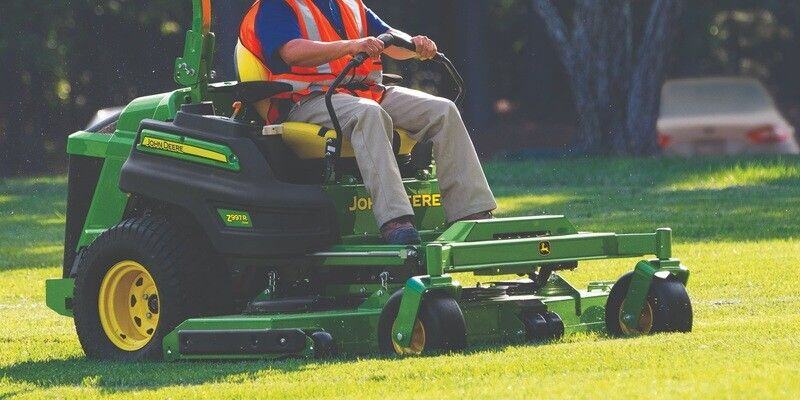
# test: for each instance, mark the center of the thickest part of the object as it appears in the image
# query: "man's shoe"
(400, 231)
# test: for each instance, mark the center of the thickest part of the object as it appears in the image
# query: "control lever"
(237, 109)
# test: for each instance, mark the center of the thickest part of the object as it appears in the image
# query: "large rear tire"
(440, 326)
(668, 308)
(135, 283)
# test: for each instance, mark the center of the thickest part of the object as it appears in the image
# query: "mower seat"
(308, 141)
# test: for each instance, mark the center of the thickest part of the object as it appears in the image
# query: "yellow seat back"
(248, 66)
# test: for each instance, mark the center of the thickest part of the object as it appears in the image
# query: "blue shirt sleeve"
(276, 25)
(375, 24)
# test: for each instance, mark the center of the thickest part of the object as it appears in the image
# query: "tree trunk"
(616, 79)
(570, 54)
(648, 76)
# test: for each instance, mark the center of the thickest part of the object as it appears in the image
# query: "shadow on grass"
(114, 377)
(119, 377)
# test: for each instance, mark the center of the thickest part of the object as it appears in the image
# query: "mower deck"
(489, 320)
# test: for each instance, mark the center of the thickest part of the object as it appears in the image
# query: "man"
(307, 43)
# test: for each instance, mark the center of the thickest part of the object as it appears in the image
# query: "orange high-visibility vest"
(252, 65)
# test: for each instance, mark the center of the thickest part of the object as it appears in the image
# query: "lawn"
(736, 226)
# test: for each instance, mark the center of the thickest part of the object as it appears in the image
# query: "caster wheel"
(555, 325)
(324, 346)
(440, 326)
(544, 327)
(536, 328)
(667, 309)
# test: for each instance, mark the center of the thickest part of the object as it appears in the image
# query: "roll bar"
(193, 69)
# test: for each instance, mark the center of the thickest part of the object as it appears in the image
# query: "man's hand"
(426, 48)
(369, 45)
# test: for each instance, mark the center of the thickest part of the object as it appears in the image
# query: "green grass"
(736, 225)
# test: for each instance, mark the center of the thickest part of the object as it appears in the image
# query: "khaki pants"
(370, 127)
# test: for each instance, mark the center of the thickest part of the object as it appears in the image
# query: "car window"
(699, 97)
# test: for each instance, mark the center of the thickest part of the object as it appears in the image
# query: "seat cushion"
(307, 143)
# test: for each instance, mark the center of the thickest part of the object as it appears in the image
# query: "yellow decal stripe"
(181, 148)
(211, 155)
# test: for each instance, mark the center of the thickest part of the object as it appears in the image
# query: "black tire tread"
(172, 255)
(441, 313)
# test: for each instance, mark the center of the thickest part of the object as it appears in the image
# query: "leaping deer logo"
(544, 248)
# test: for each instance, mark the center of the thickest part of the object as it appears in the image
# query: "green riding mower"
(194, 232)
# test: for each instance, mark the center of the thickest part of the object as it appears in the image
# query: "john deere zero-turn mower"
(195, 233)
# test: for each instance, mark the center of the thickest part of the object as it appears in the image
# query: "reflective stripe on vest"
(311, 30)
(356, 8)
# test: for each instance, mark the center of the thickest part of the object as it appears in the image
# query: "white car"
(722, 116)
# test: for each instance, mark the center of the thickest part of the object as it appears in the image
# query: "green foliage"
(64, 59)
(735, 224)
(755, 38)
(68, 59)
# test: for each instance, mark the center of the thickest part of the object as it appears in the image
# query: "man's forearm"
(310, 53)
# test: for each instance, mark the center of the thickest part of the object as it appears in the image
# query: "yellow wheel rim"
(417, 341)
(645, 324)
(129, 305)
